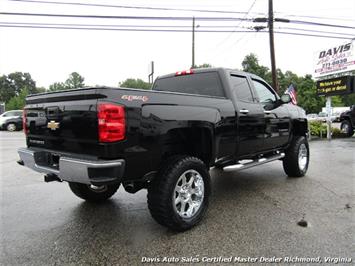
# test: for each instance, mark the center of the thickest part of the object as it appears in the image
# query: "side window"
(18, 113)
(8, 114)
(264, 93)
(241, 89)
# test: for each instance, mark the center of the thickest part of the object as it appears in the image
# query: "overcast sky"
(108, 57)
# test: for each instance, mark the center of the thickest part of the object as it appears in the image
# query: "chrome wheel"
(302, 156)
(97, 189)
(345, 128)
(188, 194)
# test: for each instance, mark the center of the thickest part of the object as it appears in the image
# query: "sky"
(109, 57)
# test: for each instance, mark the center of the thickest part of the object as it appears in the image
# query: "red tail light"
(184, 72)
(111, 122)
(24, 122)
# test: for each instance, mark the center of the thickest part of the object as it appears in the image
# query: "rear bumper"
(74, 169)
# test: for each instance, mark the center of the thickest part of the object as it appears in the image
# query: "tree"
(204, 65)
(135, 83)
(251, 64)
(11, 85)
(57, 86)
(74, 81)
(17, 102)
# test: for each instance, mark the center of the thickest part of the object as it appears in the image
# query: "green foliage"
(204, 65)
(135, 84)
(349, 99)
(319, 129)
(17, 102)
(74, 81)
(11, 85)
(251, 64)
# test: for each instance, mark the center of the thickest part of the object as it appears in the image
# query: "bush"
(317, 128)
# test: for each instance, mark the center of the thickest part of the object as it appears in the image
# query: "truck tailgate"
(63, 121)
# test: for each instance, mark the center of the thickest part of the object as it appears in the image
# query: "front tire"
(11, 127)
(178, 195)
(93, 193)
(296, 158)
(347, 128)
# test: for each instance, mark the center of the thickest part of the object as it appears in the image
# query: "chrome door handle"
(244, 111)
(267, 112)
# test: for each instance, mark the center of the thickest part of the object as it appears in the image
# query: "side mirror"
(285, 98)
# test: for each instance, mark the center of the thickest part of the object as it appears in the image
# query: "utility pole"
(272, 47)
(193, 42)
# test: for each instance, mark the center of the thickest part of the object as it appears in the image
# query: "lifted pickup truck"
(165, 139)
(347, 120)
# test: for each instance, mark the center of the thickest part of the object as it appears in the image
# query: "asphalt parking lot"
(253, 213)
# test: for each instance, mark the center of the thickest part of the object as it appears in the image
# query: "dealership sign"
(336, 86)
(334, 60)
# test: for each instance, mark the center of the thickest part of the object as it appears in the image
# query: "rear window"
(198, 83)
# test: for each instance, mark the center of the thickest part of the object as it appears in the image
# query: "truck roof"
(213, 69)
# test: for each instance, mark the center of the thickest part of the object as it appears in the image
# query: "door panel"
(277, 119)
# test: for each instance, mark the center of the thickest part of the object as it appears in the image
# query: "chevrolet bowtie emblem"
(53, 125)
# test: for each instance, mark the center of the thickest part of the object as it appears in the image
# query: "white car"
(11, 120)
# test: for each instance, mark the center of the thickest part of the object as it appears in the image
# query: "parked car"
(11, 120)
(347, 120)
(323, 116)
(164, 140)
(312, 117)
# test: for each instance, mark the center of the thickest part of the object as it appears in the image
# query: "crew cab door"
(251, 124)
(277, 118)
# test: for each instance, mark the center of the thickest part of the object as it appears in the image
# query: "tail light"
(111, 122)
(24, 122)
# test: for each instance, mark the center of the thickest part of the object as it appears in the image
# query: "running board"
(240, 166)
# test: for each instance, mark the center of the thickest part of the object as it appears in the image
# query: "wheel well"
(300, 128)
(190, 141)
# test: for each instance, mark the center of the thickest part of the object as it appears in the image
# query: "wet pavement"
(253, 213)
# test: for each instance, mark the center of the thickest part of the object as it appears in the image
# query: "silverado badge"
(53, 125)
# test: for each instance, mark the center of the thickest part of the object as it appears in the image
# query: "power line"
(161, 26)
(316, 17)
(121, 25)
(131, 7)
(122, 17)
(163, 30)
(170, 9)
(174, 18)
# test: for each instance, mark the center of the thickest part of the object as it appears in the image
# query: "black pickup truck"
(347, 120)
(165, 139)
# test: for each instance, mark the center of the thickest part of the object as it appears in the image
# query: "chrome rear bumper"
(74, 169)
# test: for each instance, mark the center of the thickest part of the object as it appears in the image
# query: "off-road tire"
(350, 130)
(161, 192)
(88, 193)
(11, 127)
(291, 161)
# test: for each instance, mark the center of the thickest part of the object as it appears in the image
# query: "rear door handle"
(267, 112)
(244, 111)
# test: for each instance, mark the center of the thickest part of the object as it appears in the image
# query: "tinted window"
(197, 83)
(264, 93)
(241, 89)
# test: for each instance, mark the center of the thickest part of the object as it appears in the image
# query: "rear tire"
(11, 127)
(347, 128)
(93, 193)
(296, 160)
(178, 195)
